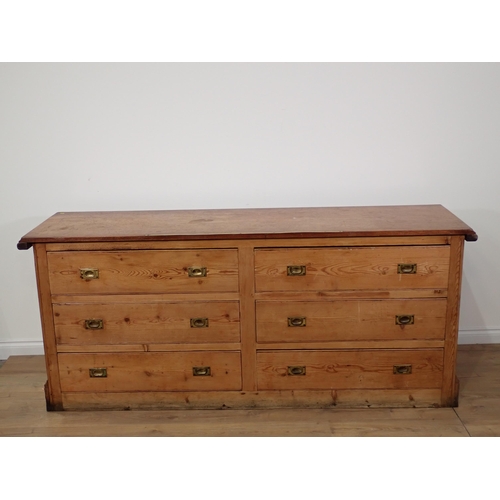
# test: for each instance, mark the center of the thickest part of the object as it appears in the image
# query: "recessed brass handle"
(401, 369)
(98, 372)
(199, 322)
(89, 273)
(405, 319)
(296, 370)
(201, 371)
(94, 324)
(298, 321)
(407, 268)
(197, 272)
(295, 270)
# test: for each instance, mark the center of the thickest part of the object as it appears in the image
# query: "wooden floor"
(22, 411)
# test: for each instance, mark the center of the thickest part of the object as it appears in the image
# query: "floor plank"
(407, 422)
(478, 369)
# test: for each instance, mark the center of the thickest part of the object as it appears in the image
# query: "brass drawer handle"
(296, 370)
(201, 371)
(295, 270)
(98, 372)
(94, 324)
(298, 321)
(89, 273)
(401, 369)
(199, 322)
(197, 272)
(405, 319)
(407, 268)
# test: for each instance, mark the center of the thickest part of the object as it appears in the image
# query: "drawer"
(145, 271)
(289, 269)
(168, 371)
(147, 323)
(361, 369)
(295, 321)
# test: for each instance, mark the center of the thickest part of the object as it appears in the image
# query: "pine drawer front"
(369, 369)
(142, 322)
(169, 371)
(144, 271)
(290, 269)
(354, 320)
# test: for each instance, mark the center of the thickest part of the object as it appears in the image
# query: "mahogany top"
(164, 225)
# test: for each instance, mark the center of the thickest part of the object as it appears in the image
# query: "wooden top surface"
(414, 220)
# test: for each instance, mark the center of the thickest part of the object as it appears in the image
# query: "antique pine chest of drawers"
(295, 307)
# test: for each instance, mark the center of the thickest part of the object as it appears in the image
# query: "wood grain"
(355, 320)
(416, 220)
(247, 307)
(328, 295)
(353, 344)
(351, 268)
(143, 322)
(143, 271)
(189, 244)
(157, 347)
(450, 389)
(156, 298)
(349, 369)
(230, 400)
(169, 371)
(53, 387)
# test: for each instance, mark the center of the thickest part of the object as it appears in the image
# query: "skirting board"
(479, 337)
(29, 347)
(20, 348)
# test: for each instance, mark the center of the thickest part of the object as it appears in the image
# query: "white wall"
(172, 136)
